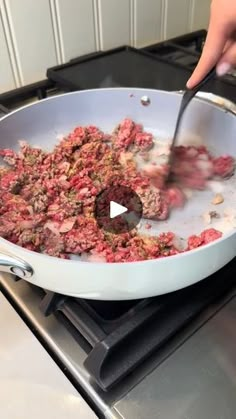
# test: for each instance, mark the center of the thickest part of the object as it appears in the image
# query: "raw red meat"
(224, 166)
(47, 199)
(207, 236)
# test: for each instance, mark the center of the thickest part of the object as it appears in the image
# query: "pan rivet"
(145, 100)
(18, 272)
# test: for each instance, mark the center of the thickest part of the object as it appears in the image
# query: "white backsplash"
(37, 34)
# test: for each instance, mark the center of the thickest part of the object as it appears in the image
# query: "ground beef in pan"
(47, 199)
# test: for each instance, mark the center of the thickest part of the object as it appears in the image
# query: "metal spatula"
(187, 97)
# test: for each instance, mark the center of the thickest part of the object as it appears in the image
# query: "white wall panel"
(37, 34)
(7, 81)
(114, 23)
(33, 38)
(200, 14)
(147, 21)
(177, 17)
(76, 23)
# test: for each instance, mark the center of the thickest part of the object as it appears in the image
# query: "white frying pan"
(40, 124)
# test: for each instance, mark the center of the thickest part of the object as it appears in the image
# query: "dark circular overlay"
(118, 195)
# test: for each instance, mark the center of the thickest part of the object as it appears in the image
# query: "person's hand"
(220, 45)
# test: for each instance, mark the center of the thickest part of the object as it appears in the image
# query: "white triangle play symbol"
(116, 209)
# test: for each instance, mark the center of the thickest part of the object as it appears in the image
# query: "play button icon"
(118, 209)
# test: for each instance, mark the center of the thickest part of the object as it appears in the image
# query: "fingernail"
(222, 69)
(188, 84)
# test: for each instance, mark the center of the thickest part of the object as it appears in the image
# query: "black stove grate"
(166, 66)
(38, 90)
(121, 335)
(185, 51)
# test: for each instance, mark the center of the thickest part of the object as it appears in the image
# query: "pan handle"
(15, 266)
(216, 100)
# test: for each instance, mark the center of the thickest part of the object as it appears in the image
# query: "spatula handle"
(207, 78)
(190, 93)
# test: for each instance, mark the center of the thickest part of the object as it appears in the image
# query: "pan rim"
(106, 89)
(150, 261)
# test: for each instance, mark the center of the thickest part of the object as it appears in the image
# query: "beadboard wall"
(37, 34)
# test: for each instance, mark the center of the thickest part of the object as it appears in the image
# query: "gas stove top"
(166, 65)
(115, 352)
(152, 358)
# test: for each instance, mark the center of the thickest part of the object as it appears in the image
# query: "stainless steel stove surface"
(191, 376)
(167, 357)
